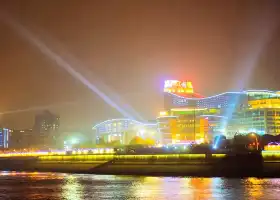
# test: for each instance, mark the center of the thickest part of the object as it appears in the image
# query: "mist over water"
(58, 186)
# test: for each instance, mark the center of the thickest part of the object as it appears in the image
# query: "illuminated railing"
(79, 158)
(159, 158)
(271, 155)
(132, 158)
(53, 153)
(31, 154)
(107, 155)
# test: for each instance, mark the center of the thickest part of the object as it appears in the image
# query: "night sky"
(127, 49)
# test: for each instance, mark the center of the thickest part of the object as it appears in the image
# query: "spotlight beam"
(250, 53)
(62, 63)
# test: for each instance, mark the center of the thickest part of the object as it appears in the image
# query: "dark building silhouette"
(46, 122)
(21, 139)
(45, 129)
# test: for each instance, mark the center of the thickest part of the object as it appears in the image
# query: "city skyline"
(139, 99)
(132, 50)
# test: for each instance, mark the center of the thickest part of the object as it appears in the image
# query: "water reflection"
(149, 188)
(173, 188)
(72, 189)
(201, 188)
(254, 188)
(205, 188)
(56, 186)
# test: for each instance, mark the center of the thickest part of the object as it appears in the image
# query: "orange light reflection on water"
(173, 188)
(255, 187)
(201, 188)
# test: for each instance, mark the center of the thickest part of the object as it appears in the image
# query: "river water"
(59, 186)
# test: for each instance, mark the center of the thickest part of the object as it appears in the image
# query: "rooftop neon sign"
(176, 86)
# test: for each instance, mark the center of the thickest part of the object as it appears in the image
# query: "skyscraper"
(45, 130)
(46, 122)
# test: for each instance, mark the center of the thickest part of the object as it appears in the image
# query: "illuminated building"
(167, 127)
(189, 117)
(223, 114)
(228, 99)
(215, 125)
(193, 124)
(264, 103)
(123, 131)
(191, 129)
(261, 115)
(184, 126)
(4, 138)
(259, 120)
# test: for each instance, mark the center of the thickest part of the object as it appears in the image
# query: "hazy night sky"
(132, 47)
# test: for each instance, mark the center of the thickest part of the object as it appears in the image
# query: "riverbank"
(200, 165)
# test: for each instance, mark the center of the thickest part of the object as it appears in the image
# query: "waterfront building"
(190, 115)
(167, 127)
(184, 125)
(123, 131)
(259, 120)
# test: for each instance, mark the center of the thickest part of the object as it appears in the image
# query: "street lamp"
(256, 138)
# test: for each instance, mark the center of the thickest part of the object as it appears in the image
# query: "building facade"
(123, 131)
(183, 125)
(4, 138)
(261, 116)
(167, 127)
(46, 122)
(201, 118)
(21, 139)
